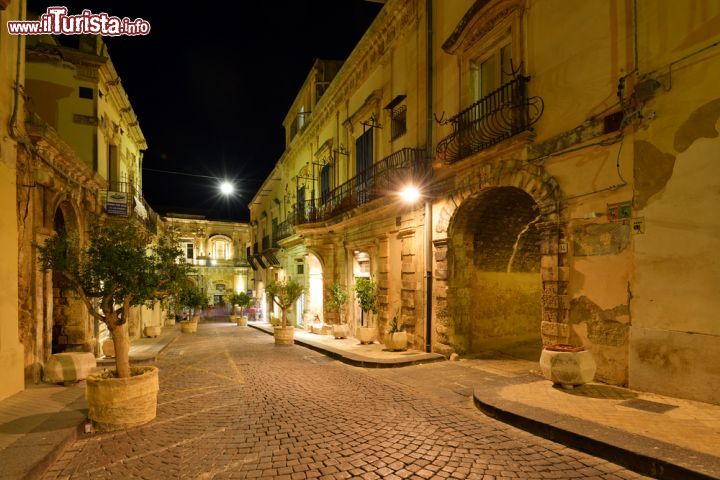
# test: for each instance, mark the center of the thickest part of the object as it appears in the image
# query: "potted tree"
(284, 294)
(239, 300)
(396, 337)
(192, 298)
(337, 299)
(122, 267)
(367, 294)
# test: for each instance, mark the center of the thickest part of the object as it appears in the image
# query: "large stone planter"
(241, 320)
(317, 329)
(153, 331)
(169, 322)
(341, 331)
(567, 366)
(396, 341)
(188, 327)
(69, 367)
(365, 334)
(233, 318)
(118, 403)
(284, 335)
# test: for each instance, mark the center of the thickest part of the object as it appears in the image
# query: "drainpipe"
(428, 200)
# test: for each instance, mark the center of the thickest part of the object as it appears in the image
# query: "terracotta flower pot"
(284, 335)
(188, 327)
(118, 403)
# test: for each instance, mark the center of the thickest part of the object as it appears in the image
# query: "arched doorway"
(69, 330)
(494, 282)
(313, 301)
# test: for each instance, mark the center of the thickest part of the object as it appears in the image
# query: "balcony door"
(363, 165)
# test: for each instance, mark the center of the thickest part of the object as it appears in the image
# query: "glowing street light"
(410, 194)
(227, 188)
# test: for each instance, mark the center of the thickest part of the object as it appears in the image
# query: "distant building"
(217, 250)
(566, 154)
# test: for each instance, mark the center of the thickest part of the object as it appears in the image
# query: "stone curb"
(358, 360)
(638, 453)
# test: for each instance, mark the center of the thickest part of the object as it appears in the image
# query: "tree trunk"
(284, 318)
(121, 340)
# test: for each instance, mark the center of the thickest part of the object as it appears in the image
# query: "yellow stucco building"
(567, 176)
(82, 157)
(217, 250)
(11, 134)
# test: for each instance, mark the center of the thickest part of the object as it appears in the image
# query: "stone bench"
(69, 367)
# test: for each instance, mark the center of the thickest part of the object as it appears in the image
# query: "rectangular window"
(113, 173)
(300, 206)
(325, 183)
(300, 269)
(398, 122)
(85, 92)
(491, 71)
(189, 250)
(363, 165)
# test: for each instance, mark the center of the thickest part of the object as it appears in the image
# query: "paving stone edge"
(354, 360)
(556, 427)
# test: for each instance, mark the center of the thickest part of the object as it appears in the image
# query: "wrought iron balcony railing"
(497, 116)
(283, 230)
(387, 175)
(123, 199)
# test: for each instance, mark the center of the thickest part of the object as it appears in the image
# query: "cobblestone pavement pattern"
(233, 405)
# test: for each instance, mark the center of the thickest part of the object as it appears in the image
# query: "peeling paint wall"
(675, 333)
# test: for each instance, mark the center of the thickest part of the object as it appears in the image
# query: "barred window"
(398, 123)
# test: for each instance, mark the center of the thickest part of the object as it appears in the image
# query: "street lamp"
(411, 194)
(227, 188)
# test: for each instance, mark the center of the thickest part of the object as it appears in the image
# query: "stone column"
(555, 274)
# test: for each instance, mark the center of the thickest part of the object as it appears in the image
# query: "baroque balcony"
(123, 199)
(387, 175)
(283, 230)
(501, 114)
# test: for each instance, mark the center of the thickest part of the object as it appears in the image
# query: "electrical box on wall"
(618, 212)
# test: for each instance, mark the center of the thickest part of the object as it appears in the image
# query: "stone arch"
(506, 198)
(70, 328)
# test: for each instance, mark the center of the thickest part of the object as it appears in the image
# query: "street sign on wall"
(117, 204)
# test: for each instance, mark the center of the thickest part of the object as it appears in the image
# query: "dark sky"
(212, 84)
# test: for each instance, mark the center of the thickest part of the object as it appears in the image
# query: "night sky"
(211, 86)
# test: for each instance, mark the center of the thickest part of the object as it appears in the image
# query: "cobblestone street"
(233, 405)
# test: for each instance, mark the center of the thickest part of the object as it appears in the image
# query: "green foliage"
(123, 265)
(338, 297)
(240, 299)
(394, 326)
(367, 294)
(192, 297)
(284, 294)
(120, 266)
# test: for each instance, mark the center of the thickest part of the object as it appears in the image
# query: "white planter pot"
(365, 334)
(153, 331)
(567, 369)
(169, 322)
(119, 403)
(396, 341)
(340, 331)
(284, 335)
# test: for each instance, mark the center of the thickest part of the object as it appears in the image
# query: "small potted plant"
(396, 337)
(193, 299)
(337, 299)
(284, 294)
(366, 291)
(241, 301)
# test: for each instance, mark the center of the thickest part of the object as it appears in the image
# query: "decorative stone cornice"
(478, 21)
(391, 23)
